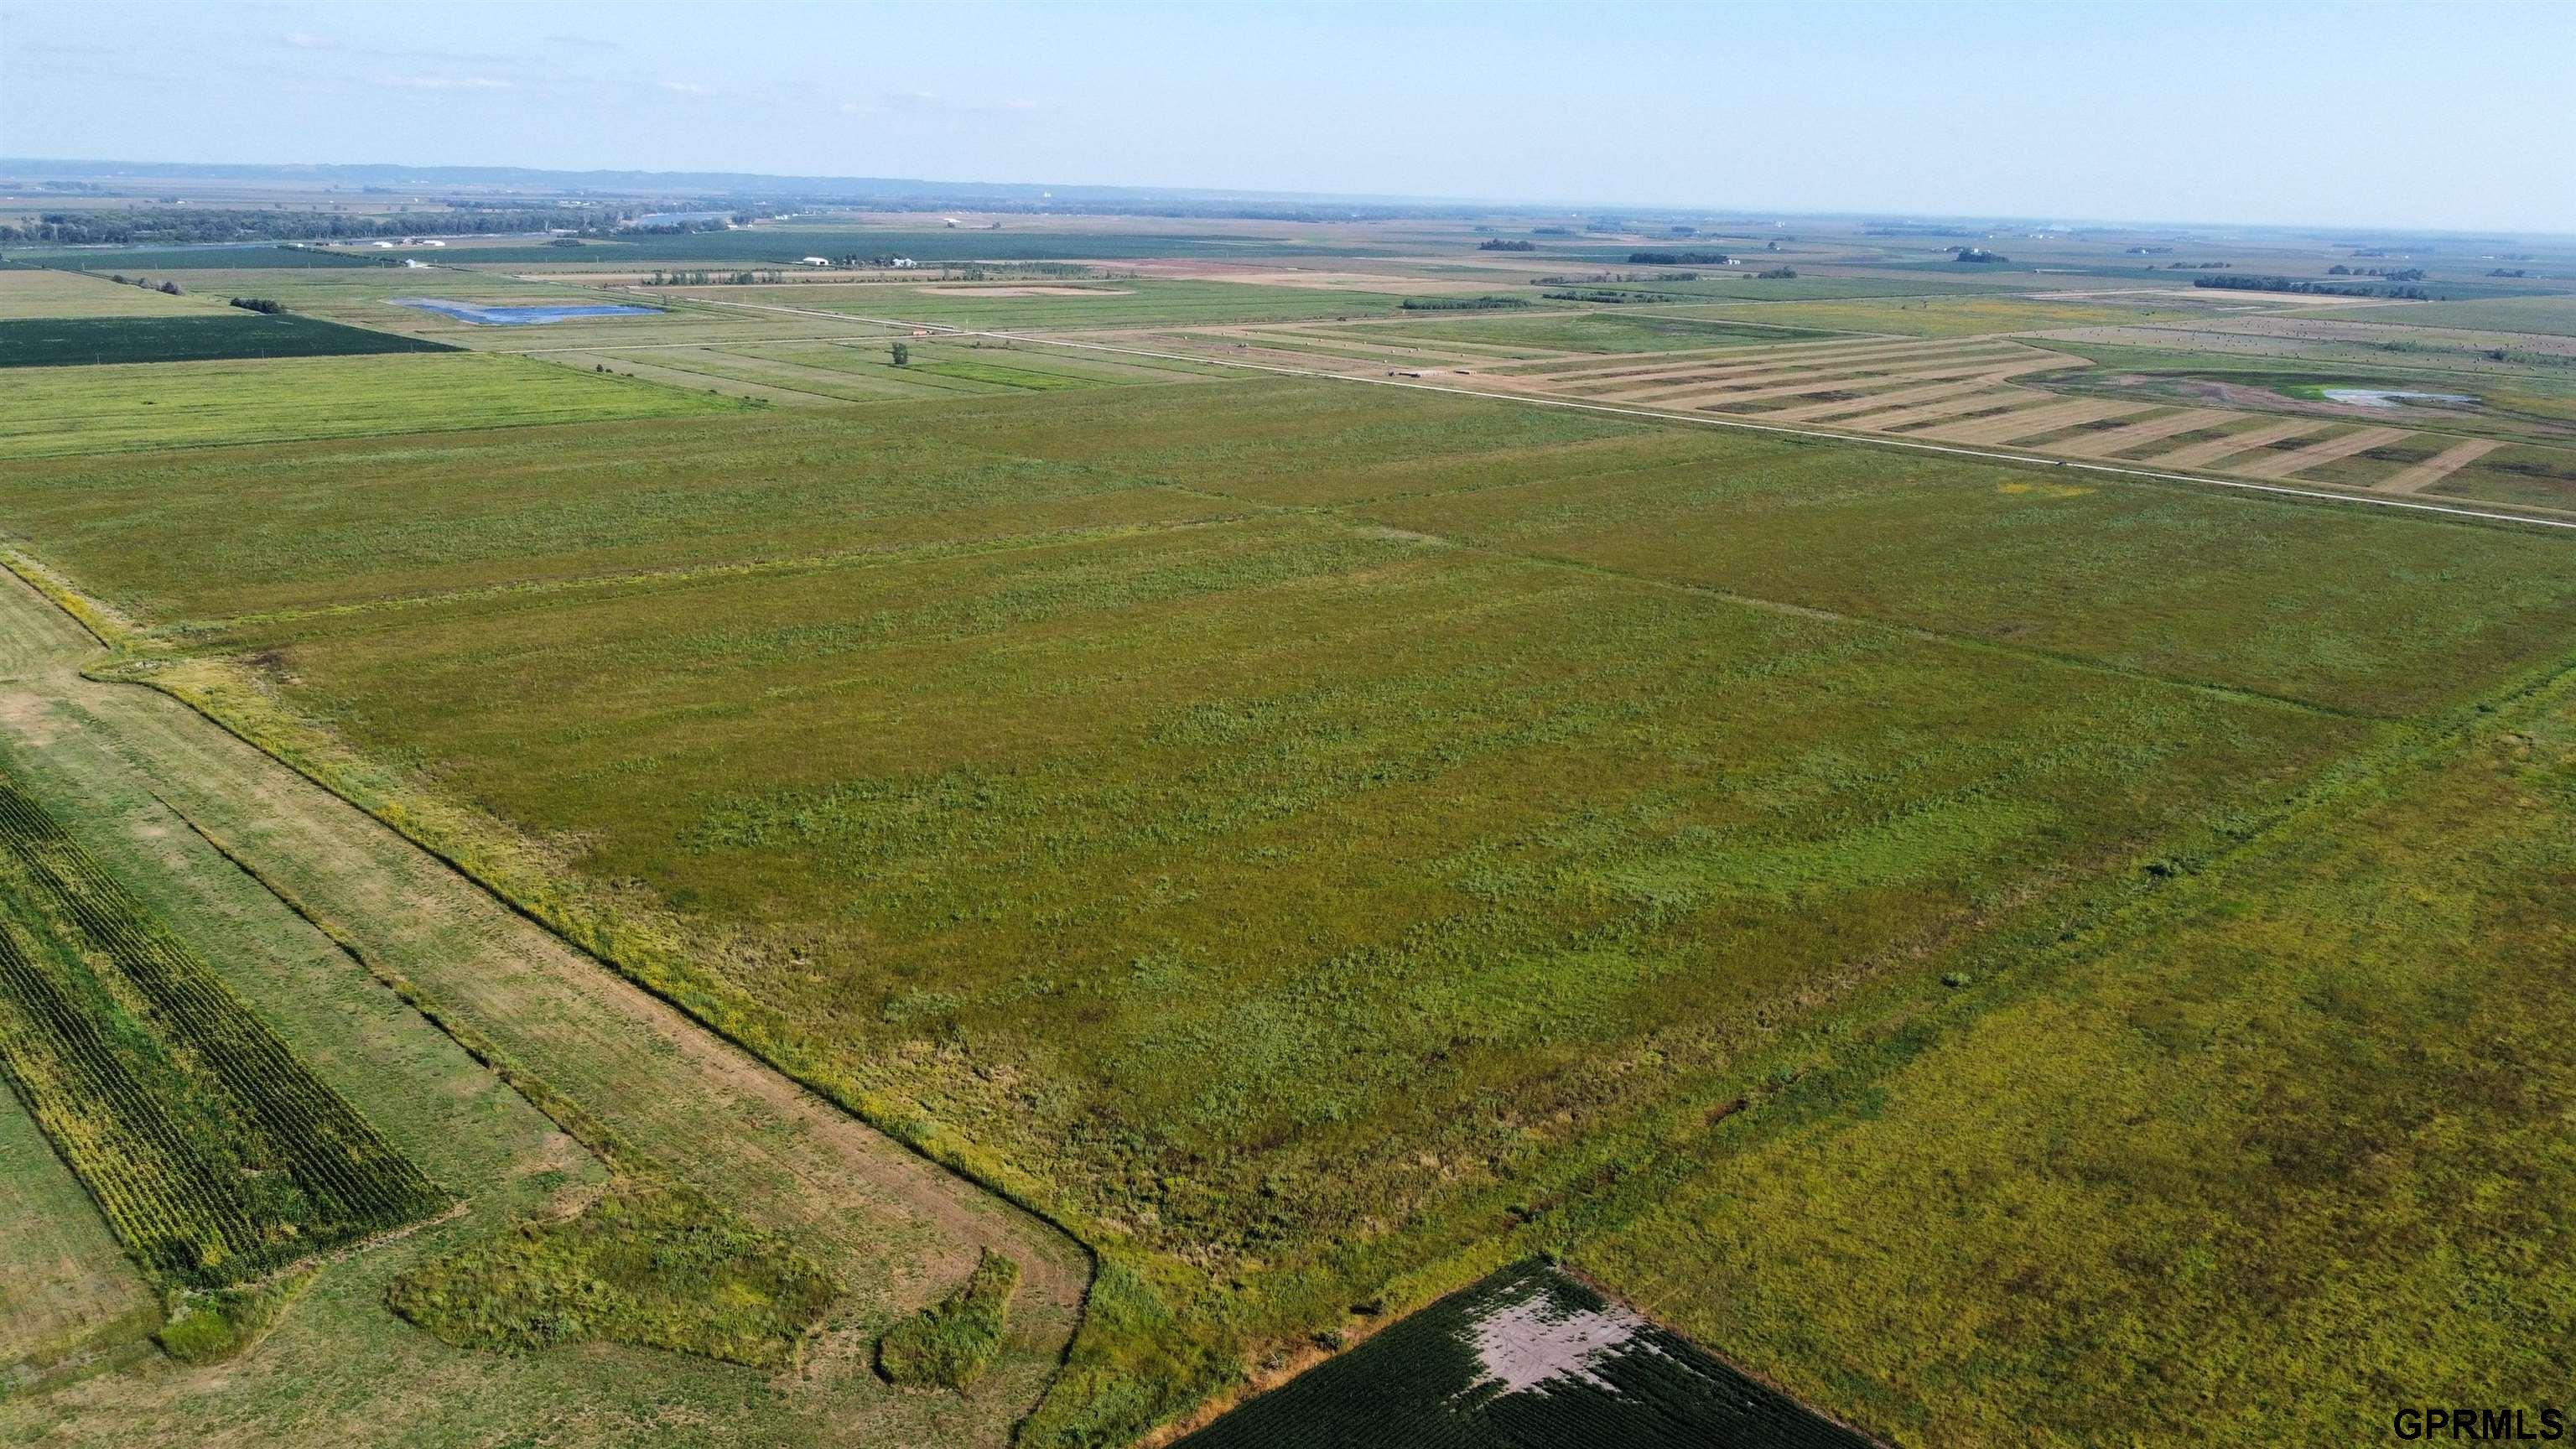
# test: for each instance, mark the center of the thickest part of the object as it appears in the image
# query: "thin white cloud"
(306, 40)
(931, 102)
(445, 83)
(687, 88)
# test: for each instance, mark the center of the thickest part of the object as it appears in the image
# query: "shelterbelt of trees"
(163, 225)
(2243, 283)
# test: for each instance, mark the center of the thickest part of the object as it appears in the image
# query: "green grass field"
(35, 292)
(806, 371)
(206, 336)
(2550, 316)
(1126, 302)
(60, 410)
(1306, 835)
(1962, 316)
(1586, 332)
(1744, 284)
(2248, 1163)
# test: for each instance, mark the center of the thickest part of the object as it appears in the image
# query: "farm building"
(816, 261)
(905, 262)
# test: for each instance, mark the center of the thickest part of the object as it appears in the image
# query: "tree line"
(176, 226)
(2312, 287)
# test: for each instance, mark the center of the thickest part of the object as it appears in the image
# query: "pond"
(1530, 1358)
(497, 316)
(2378, 397)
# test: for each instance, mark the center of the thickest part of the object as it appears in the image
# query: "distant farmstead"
(817, 261)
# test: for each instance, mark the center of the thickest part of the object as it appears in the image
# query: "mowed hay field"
(57, 410)
(1305, 835)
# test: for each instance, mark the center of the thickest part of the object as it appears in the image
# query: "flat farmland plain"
(1296, 833)
(1118, 302)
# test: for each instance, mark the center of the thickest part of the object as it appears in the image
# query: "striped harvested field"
(2154, 430)
(2202, 455)
(2434, 469)
(2291, 463)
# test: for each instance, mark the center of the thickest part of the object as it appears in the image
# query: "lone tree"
(902, 355)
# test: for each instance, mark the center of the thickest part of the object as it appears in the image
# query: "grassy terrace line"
(1573, 760)
(212, 1151)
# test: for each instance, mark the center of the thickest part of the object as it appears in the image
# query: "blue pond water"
(519, 316)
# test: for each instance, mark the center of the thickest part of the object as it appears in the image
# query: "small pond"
(2377, 397)
(1530, 1358)
(496, 316)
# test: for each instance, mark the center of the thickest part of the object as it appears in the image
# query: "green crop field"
(159, 405)
(1295, 831)
(202, 337)
(213, 1152)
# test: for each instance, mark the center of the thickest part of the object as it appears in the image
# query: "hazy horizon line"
(1148, 191)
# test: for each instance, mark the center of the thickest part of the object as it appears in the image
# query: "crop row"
(210, 1147)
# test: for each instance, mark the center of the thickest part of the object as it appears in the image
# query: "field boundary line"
(1818, 434)
(1923, 633)
(851, 558)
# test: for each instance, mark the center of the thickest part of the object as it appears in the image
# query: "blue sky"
(2439, 115)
